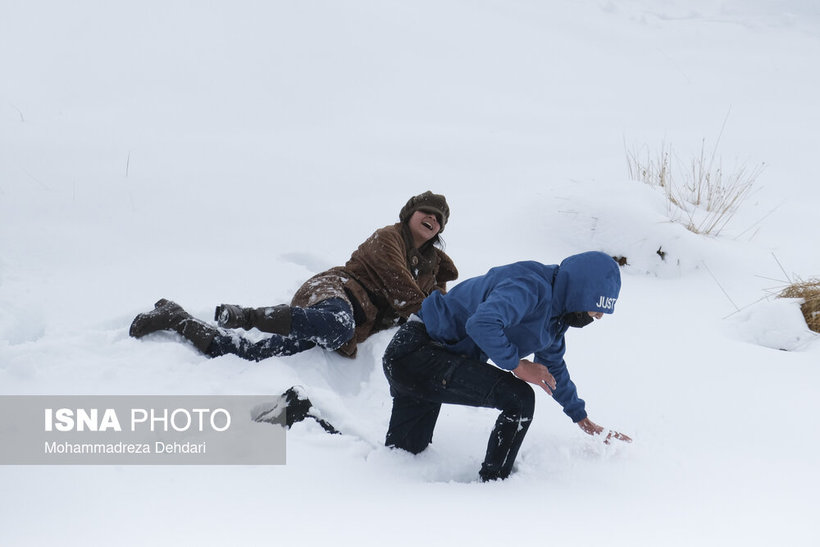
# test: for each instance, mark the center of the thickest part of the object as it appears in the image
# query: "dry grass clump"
(700, 194)
(809, 292)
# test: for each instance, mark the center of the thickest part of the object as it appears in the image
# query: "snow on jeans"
(423, 374)
(329, 324)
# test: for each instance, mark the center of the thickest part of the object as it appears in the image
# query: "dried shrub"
(702, 196)
(809, 292)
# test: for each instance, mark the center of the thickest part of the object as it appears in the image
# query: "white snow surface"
(216, 152)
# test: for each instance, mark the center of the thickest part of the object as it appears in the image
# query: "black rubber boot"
(166, 315)
(274, 319)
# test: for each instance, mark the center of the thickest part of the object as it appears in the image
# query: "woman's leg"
(328, 324)
(275, 346)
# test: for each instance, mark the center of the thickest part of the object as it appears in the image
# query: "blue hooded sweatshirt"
(516, 310)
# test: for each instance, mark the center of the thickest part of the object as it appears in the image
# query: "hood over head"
(589, 281)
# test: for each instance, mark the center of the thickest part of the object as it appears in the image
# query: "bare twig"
(782, 269)
(721, 286)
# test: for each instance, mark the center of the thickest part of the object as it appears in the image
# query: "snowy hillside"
(225, 152)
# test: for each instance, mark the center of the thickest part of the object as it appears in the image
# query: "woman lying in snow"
(385, 281)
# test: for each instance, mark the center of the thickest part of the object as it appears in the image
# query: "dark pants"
(328, 324)
(423, 375)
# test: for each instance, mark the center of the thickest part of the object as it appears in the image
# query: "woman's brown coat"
(385, 281)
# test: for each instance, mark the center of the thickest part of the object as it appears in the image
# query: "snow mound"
(775, 323)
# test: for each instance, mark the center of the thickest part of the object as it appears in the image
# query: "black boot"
(275, 319)
(297, 407)
(230, 316)
(198, 333)
(166, 315)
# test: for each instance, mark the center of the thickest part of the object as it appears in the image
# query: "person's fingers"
(615, 435)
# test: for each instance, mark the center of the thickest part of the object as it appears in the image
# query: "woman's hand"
(591, 428)
(535, 374)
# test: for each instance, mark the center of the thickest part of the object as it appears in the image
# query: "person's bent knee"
(517, 397)
(342, 332)
(333, 322)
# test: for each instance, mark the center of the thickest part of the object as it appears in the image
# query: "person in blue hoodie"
(440, 355)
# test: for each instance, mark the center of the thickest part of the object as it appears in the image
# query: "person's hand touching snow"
(591, 428)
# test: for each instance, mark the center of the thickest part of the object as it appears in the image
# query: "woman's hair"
(436, 241)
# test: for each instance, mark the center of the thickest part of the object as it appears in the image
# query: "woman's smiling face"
(423, 227)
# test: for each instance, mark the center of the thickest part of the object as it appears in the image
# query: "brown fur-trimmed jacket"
(385, 281)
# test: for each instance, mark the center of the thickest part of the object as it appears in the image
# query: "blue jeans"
(328, 324)
(423, 374)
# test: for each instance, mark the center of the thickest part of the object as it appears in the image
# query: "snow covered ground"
(226, 151)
